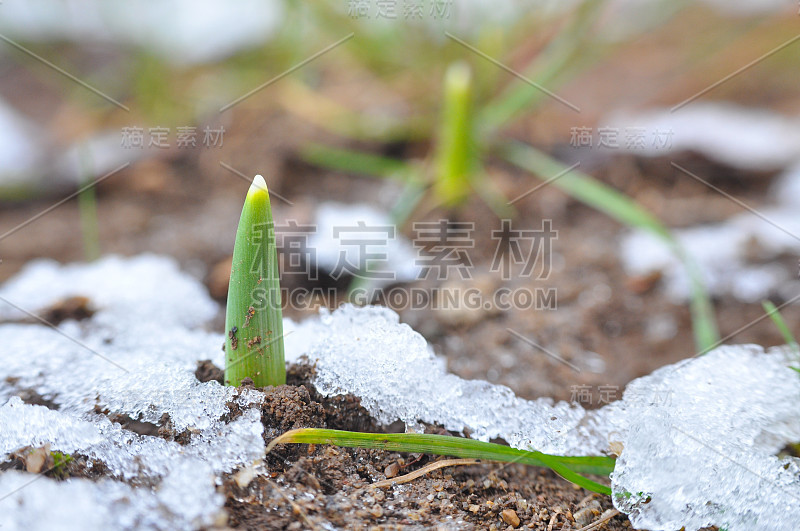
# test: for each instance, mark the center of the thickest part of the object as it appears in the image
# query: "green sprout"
(254, 320)
(60, 462)
(454, 160)
(87, 208)
(783, 328)
(570, 468)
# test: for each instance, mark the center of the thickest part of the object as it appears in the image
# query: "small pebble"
(510, 517)
(391, 470)
(244, 476)
(35, 460)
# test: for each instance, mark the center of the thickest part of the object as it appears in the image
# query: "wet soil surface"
(612, 327)
(317, 486)
(301, 486)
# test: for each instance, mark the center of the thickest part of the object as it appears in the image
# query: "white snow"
(186, 499)
(183, 31)
(699, 437)
(743, 137)
(136, 356)
(724, 251)
(364, 237)
(19, 152)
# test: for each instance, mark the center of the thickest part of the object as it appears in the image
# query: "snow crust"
(697, 440)
(340, 229)
(184, 32)
(135, 356)
(736, 256)
(743, 137)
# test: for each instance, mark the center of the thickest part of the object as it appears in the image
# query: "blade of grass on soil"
(602, 197)
(253, 320)
(570, 468)
(782, 327)
(87, 209)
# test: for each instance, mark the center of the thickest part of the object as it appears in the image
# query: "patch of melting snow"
(698, 438)
(361, 237)
(135, 356)
(19, 152)
(185, 32)
(735, 256)
(181, 501)
(748, 138)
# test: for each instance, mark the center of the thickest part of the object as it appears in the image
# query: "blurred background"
(132, 127)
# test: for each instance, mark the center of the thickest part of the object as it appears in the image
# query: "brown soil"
(600, 310)
(615, 328)
(54, 464)
(315, 486)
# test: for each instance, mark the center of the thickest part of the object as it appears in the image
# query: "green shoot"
(60, 462)
(87, 209)
(783, 328)
(454, 159)
(570, 468)
(562, 58)
(455, 163)
(356, 162)
(602, 197)
(254, 320)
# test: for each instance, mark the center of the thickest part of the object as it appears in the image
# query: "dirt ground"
(318, 487)
(616, 328)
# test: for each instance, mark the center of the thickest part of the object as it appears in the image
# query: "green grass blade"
(704, 324)
(781, 325)
(560, 60)
(569, 468)
(586, 189)
(355, 162)
(454, 158)
(486, 189)
(253, 319)
(602, 197)
(87, 208)
(411, 195)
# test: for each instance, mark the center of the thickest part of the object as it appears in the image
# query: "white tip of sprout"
(258, 184)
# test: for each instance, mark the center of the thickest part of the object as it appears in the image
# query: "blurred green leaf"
(570, 468)
(625, 210)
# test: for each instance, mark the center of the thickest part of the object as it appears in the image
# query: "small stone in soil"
(391, 470)
(510, 517)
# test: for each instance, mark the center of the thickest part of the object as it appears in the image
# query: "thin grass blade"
(570, 468)
(602, 197)
(355, 162)
(781, 325)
